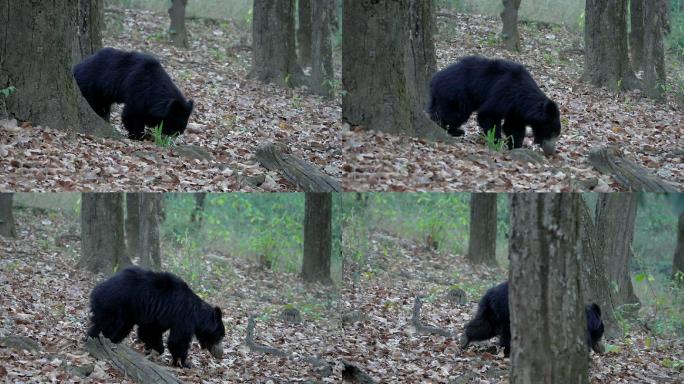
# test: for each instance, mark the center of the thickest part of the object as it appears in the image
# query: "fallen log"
(299, 172)
(425, 329)
(129, 362)
(630, 175)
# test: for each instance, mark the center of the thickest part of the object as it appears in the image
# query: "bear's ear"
(551, 108)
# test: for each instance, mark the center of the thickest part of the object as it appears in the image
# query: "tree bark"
(509, 32)
(387, 52)
(482, 242)
(177, 31)
(656, 26)
(150, 209)
(132, 224)
(678, 259)
(7, 228)
(615, 216)
(37, 47)
(102, 239)
(317, 237)
(548, 320)
(305, 29)
(636, 33)
(323, 22)
(90, 26)
(197, 215)
(273, 32)
(595, 283)
(606, 53)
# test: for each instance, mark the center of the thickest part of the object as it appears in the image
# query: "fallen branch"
(256, 347)
(629, 174)
(299, 172)
(425, 329)
(355, 374)
(129, 362)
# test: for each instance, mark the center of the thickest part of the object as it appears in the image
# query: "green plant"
(493, 142)
(159, 138)
(6, 92)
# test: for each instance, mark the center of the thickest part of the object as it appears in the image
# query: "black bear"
(138, 81)
(155, 302)
(493, 319)
(497, 90)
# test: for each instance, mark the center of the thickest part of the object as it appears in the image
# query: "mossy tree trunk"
(546, 303)
(509, 32)
(482, 241)
(606, 54)
(132, 224)
(273, 33)
(317, 237)
(150, 217)
(636, 33)
(387, 51)
(305, 29)
(678, 260)
(323, 23)
(656, 26)
(7, 228)
(90, 26)
(177, 31)
(103, 249)
(38, 42)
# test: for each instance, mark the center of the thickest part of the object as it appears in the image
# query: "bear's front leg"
(488, 122)
(179, 344)
(134, 124)
(516, 130)
(152, 337)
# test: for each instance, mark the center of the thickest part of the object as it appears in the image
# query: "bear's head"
(210, 331)
(594, 328)
(546, 127)
(177, 113)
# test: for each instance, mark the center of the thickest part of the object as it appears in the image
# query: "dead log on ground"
(355, 374)
(129, 362)
(630, 175)
(425, 329)
(299, 172)
(256, 347)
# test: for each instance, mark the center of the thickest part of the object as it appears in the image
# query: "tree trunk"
(177, 31)
(678, 260)
(605, 34)
(317, 237)
(305, 29)
(323, 22)
(615, 216)
(37, 45)
(90, 26)
(197, 215)
(509, 32)
(656, 26)
(273, 32)
(595, 283)
(636, 34)
(482, 242)
(387, 53)
(102, 239)
(548, 320)
(150, 208)
(133, 245)
(7, 228)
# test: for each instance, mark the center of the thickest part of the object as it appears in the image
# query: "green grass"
(159, 137)
(493, 143)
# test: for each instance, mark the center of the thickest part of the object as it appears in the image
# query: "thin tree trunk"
(7, 228)
(385, 53)
(133, 224)
(615, 216)
(656, 25)
(548, 321)
(509, 32)
(103, 249)
(595, 282)
(197, 215)
(177, 30)
(305, 29)
(482, 242)
(90, 26)
(322, 24)
(273, 32)
(636, 33)
(38, 42)
(606, 54)
(317, 237)
(678, 259)
(150, 251)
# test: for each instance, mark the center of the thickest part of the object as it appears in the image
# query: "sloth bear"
(497, 90)
(155, 302)
(138, 81)
(493, 319)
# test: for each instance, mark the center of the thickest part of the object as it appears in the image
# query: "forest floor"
(367, 322)
(649, 133)
(233, 116)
